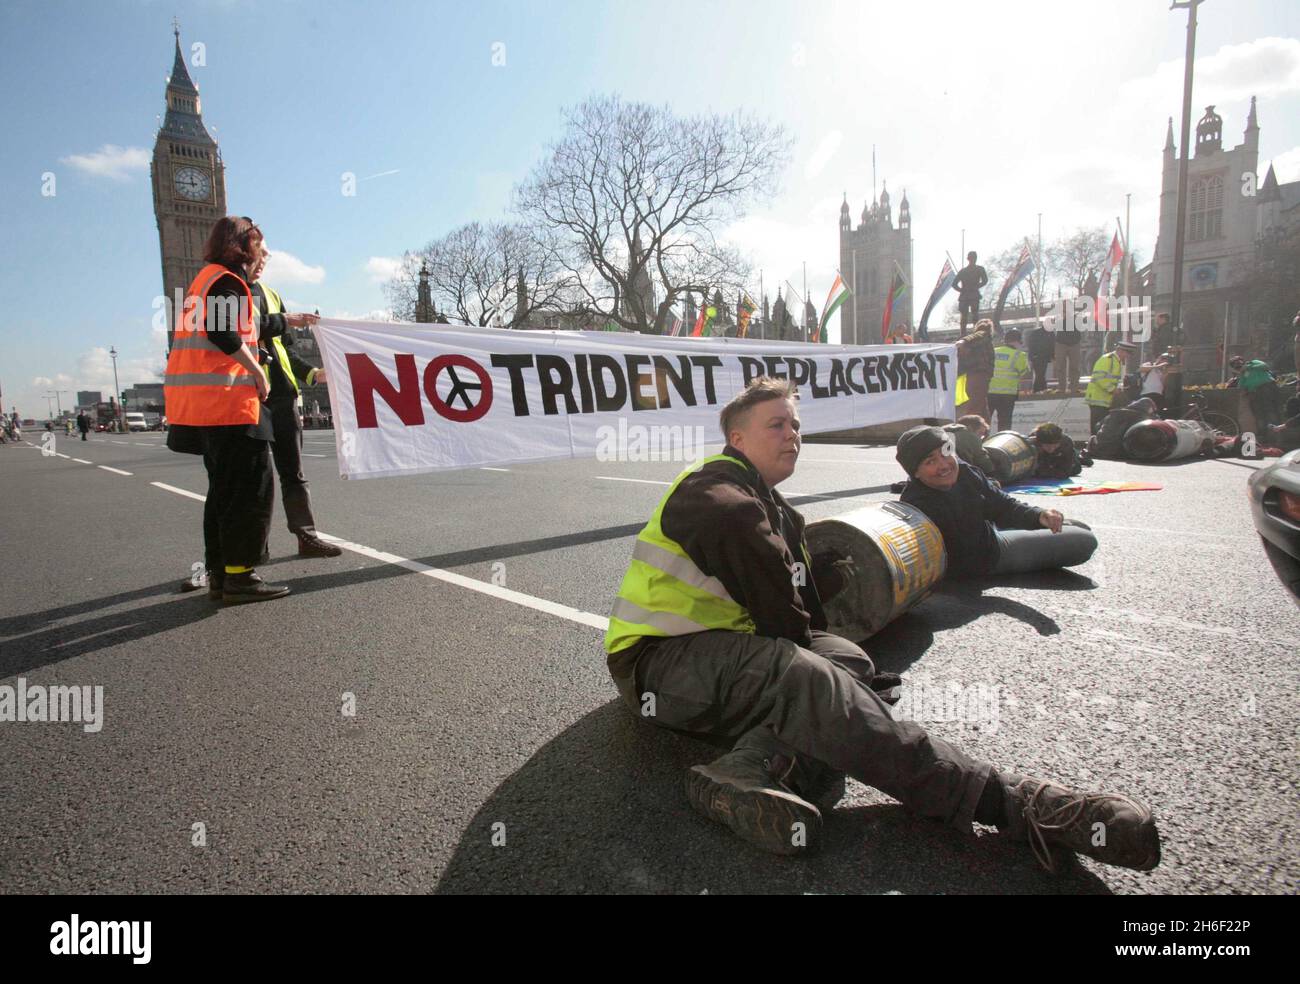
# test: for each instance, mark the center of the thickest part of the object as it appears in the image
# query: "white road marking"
(115, 471)
(60, 454)
(308, 454)
(119, 442)
(483, 587)
(82, 461)
(642, 481)
(185, 492)
(486, 468)
(459, 580)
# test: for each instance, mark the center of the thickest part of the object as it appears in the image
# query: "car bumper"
(1280, 533)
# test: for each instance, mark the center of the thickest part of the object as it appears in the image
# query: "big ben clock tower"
(189, 184)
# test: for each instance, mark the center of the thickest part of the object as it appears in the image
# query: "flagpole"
(1128, 261)
(855, 284)
(805, 303)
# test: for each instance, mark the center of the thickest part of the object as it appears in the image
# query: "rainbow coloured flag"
(897, 291)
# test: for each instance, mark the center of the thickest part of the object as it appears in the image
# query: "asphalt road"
(487, 752)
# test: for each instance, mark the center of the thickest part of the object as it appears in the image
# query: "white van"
(136, 422)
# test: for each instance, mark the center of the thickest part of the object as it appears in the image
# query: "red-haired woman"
(215, 388)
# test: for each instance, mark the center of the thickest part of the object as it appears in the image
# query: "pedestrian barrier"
(1013, 457)
(896, 557)
(1167, 440)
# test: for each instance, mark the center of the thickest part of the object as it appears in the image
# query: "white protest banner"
(418, 398)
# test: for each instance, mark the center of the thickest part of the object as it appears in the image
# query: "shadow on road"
(955, 603)
(600, 809)
(40, 641)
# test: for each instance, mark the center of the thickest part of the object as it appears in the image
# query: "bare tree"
(499, 273)
(1073, 256)
(638, 196)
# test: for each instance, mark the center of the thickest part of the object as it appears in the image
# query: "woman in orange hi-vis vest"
(214, 390)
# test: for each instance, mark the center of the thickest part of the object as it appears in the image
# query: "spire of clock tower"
(188, 178)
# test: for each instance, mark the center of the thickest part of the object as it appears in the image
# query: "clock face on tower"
(192, 183)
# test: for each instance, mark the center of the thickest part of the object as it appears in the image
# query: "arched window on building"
(1205, 208)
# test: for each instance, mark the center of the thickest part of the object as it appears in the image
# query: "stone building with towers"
(189, 182)
(869, 256)
(1231, 213)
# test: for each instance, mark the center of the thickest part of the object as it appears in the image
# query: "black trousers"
(1040, 375)
(1096, 415)
(815, 702)
(1002, 404)
(969, 306)
(237, 514)
(287, 452)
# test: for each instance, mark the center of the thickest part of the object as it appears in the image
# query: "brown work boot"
(1107, 827)
(739, 790)
(809, 779)
(314, 546)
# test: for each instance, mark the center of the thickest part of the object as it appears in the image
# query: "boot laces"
(1043, 820)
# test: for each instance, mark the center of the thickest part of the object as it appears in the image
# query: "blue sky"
(987, 119)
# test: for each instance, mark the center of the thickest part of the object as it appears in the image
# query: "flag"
(941, 287)
(676, 327)
(1114, 256)
(702, 322)
(838, 294)
(1023, 268)
(897, 291)
(744, 311)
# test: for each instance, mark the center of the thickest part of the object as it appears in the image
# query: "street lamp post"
(1180, 228)
(117, 390)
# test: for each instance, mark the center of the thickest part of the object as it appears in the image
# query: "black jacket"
(1063, 464)
(737, 529)
(970, 280)
(968, 515)
(271, 326)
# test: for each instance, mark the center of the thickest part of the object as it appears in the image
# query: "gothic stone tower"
(189, 183)
(872, 250)
(1222, 224)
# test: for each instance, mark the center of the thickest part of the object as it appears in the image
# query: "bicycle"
(1216, 421)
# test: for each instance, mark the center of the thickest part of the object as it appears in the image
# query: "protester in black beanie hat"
(985, 531)
(916, 444)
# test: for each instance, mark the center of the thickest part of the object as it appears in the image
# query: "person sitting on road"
(718, 631)
(1108, 442)
(969, 433)
(1057, 457)
(985, 531)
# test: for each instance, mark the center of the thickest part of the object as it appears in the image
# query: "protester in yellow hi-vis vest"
(718, 631)
(286, 369)
(1010, 365)
(214, 390)
(1107, 374)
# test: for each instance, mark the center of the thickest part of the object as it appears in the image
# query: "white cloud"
(110, 161)
(285, 268)
(383, 268)
(1287, 165)
(1265, 67)
(378, 314)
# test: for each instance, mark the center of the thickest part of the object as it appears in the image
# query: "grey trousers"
(815, 701)
(1041, 550)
